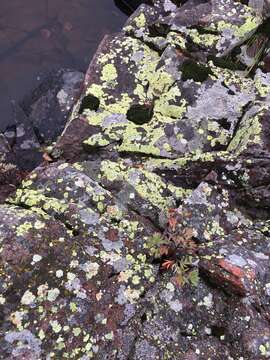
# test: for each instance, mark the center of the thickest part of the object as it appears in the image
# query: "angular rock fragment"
(49, 105)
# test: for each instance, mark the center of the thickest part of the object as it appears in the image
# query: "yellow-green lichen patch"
(233, 79)
(144, 138)
(96, 90)
(208, 40)
(121, 104)
(109, 73)
(28, 197)
(184, 161)
(159, 82)
(22, 229)
(129, 227)
(134, 277)
(97, 140)
(168, 106)
(262, 83)
(176, 39)
(249, 132)
(251, 23)
(147, 185)
(140, 20)
(138, 138)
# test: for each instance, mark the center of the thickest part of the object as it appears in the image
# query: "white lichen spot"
(42, 290)
(74, 263)
(76, 331)
(59, 273)
(207, 301)
(63, 166)
(91, 269)
(123, 276)
(175, 305)
(53, 294)
(36, 258)
(39, 225)
(16, 318)
(109, 336)
(79, 183)
(132, 295)
(170, 287)
(28, 298)
(56, 327)
(71, 276)
(99, 296)
(41, 334)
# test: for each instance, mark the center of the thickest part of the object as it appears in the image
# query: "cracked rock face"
(173, 118)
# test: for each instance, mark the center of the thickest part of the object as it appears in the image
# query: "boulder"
(145, 234)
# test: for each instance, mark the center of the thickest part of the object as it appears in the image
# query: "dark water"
(37, 36)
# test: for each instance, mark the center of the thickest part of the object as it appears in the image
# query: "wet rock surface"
(41, 117)
(169, 137)
(38, 121)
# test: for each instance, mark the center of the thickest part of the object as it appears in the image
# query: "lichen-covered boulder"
(145, 234)
(86, 269)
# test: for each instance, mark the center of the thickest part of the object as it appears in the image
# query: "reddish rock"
(228, 276)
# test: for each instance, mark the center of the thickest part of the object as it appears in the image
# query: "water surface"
(37, 36)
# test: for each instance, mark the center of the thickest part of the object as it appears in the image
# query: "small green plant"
(184, 272)
(176, 250)
(154, 244)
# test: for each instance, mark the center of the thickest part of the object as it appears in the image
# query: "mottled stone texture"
(173, 118)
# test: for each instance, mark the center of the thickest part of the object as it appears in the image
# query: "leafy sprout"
(175, 254)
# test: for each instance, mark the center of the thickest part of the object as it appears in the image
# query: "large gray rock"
(146, 237)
